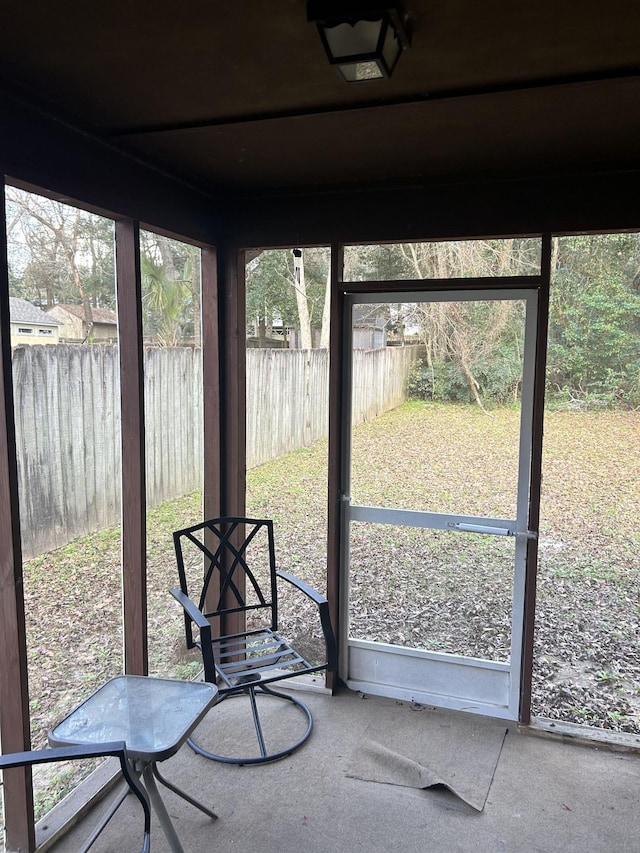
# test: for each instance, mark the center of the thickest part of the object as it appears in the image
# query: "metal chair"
(229, 556)
(71, 753)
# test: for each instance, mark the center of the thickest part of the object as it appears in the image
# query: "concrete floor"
(546, 796)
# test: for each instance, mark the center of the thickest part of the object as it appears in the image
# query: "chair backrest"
(228, 565)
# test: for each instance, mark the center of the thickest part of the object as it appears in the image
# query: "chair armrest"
(190, 609)
(325, 617)
(60, 753)
(71, 753)
(309, 591)
(194, 614)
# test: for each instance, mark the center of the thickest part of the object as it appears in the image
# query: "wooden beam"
(14, 689)
(134, 551)
(438, 211)
(69, 163)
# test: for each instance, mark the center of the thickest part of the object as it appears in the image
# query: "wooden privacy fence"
(380, 380)
(67, 410)
(287, 401)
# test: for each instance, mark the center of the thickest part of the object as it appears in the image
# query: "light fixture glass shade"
(347, 40)
(391, 49)
(363, 42)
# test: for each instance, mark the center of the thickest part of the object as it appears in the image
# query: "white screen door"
(435, 499)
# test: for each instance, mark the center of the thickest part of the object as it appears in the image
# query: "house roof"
(22, 311)
(237, 97)
(99, 315)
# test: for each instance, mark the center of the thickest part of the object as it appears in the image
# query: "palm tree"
(167, 303)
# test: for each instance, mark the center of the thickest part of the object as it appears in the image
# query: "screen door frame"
(437, 678)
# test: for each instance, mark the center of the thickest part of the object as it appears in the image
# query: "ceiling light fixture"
(363, 40)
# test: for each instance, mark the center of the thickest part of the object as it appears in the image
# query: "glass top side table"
(154, 717)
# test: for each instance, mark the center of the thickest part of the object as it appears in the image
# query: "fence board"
(68, 424)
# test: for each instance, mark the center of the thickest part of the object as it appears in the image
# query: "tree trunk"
(168, 264)
(300, 288)
(555, 251)
(71, 251)
(326, 314)
(474, 385)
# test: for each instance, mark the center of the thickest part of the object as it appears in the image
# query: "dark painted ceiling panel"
(487, 89)
(492, 135)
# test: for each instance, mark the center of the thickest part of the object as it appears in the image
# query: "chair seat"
(254, 656)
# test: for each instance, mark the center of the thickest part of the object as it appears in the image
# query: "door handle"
(494, 531)
(482, 528)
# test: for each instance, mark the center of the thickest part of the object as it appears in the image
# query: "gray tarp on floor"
(419, 748)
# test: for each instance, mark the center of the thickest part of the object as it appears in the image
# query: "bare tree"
(64, 223)
(462, 333)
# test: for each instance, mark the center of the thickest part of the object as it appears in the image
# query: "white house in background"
(30, 325)
(74, 326)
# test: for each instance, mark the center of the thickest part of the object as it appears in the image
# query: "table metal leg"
(160, 810)
(185, 796)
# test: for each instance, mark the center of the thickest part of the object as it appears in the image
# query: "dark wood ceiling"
(239, 95)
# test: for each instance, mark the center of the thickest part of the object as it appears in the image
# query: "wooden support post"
(231, 283)
(134, 552)
(211, 410)
(14, 689)
(336, 417)
(526, 672)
